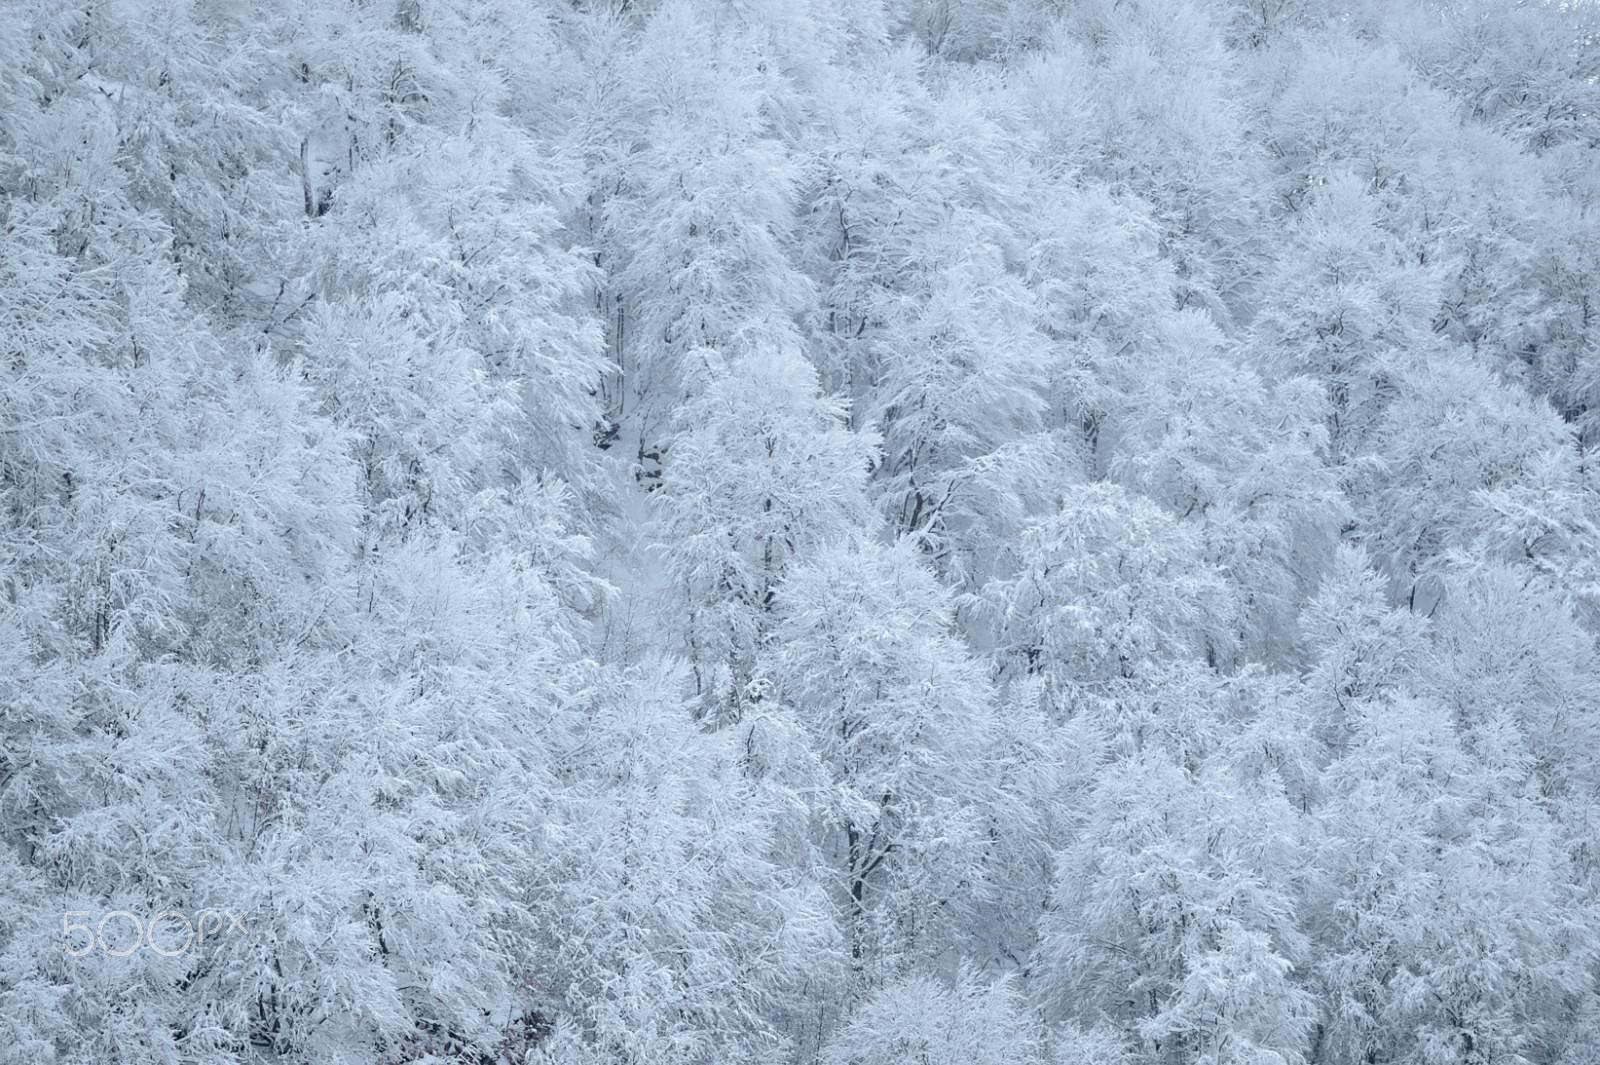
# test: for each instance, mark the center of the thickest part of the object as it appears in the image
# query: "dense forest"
(800, 532)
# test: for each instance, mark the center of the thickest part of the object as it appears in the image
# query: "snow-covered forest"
(799, 532)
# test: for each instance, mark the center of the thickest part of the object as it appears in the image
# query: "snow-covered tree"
(902, 721)
(925, 1020)
(1453, 434)
(1172, 914)
(1449, 929)
(765, 475)
(1109, 590)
